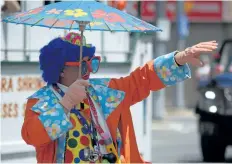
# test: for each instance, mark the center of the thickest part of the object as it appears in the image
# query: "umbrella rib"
(137, 27)
(90, 13)
(71, 25)
(105, 21)
(148, 26)
(37, 22)
(144, 23)
(108, 26)
(74, 20)
(80, 3)
(23, 21)
(29, 17)
(135, 24)
(124, 27)
(77, 23)
(57, 17)
(53, 24)
(11, 19)
(90, 27)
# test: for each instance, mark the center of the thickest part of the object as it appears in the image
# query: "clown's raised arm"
(154, 75)
(58, 116)
(163, 71)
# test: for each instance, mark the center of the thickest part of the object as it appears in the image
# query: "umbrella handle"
(81, 28)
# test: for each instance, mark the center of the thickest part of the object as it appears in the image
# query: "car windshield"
(226, 57)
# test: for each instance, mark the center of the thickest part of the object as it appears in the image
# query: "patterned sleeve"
(55, 121)
(169, 72)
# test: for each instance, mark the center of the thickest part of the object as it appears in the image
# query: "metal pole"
(103, 39)
(81, 28)
(5, 33)
(159, 48)
(26, 58)
(179, 98)
(102, 46)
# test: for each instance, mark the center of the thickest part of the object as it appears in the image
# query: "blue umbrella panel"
(68, 15)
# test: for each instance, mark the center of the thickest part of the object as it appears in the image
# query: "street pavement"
(175, 140)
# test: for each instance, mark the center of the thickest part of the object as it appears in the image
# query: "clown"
(76, 119)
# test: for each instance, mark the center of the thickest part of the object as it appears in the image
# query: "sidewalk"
(186, 112)
(179, 120)
(178, 112)
(172, 113)
(21, 160)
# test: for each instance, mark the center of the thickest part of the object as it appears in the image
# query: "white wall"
(140, 115)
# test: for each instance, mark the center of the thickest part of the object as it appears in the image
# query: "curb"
(173, 112)
(180, 112)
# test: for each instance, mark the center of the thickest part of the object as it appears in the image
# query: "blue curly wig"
(54, 55)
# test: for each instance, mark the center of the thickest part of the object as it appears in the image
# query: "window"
(47, 2)
(226, 59)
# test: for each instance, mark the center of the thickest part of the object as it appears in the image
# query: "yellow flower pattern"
(75, 13)
(55, 130)
(168, 71)
(95, 23)
(165, 72)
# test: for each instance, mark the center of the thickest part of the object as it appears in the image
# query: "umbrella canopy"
(69, 15)
(81, 15)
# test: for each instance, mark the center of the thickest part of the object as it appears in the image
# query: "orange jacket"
(137, 86)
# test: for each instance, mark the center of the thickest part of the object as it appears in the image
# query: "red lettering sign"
(9, 110)
(148, 10)
(6, 84)
(197, 11)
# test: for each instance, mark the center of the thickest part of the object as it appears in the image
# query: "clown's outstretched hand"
(191, 55)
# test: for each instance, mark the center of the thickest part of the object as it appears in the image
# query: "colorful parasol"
(81, 15)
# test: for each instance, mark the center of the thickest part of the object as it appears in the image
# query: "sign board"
(148, 10)
(166, 27)
(227, 11)
(14, 93)
(183, 27)
(196, 11)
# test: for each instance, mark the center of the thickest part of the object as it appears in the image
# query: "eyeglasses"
(87, 66)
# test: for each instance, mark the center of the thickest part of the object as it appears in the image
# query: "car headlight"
(213, 109)
(211, 100)
(210, 95)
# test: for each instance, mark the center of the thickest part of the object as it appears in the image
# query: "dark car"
(214, 106)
